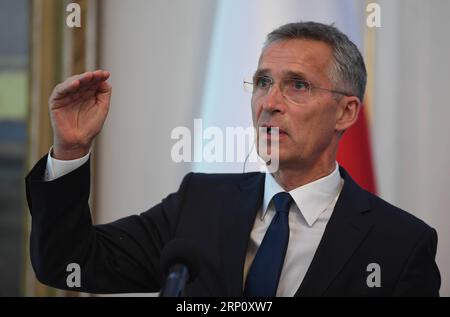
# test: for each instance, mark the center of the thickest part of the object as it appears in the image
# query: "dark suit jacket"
(217, 212)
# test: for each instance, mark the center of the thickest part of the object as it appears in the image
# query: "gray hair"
(348, 70)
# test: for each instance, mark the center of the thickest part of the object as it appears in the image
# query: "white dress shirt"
(58, 168)
(308, 216)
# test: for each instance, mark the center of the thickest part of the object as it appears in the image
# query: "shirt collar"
(311, 199)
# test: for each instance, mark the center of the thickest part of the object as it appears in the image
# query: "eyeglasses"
(294, 89)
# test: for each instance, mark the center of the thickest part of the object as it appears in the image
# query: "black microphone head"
(181, 251)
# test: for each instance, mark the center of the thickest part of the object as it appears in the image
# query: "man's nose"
(274, 100)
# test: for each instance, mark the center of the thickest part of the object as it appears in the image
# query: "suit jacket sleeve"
(421, 275)
(122, 256)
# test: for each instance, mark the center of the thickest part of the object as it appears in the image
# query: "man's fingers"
(85, 78)
(65, 88)
(98, 75)
(80, 83)
(104, 87)
(90, 80)
(93, 84)
(101, 74)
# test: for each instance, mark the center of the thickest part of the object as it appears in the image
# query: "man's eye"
(299, 85)
(263, 82)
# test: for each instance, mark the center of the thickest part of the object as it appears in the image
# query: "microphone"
(180, 262)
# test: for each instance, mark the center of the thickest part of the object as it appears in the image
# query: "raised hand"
(78, 109)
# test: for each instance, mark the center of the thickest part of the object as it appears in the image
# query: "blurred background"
(174, 61)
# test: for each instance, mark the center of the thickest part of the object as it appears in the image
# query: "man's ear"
(347, 113)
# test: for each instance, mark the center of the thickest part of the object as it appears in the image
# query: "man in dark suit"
(307, 229)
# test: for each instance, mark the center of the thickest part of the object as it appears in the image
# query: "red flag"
(355, 153)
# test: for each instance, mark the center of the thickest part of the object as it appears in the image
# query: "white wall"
(148, 44)
(156, 52)
(411, 114)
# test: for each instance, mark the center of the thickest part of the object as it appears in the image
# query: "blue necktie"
(264, 274)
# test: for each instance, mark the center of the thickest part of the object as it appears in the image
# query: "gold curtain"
(57, 52)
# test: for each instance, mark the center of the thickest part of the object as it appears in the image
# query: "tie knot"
(282, 202)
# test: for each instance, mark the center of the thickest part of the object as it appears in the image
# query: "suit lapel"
(238, 216)
(345, 231)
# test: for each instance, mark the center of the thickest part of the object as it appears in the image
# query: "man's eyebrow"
(261, 72)
(293, 74)
(286, 74)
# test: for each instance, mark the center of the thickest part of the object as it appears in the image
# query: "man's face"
(307, 128)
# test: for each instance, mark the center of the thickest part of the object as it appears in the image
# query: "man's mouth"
(271, 130)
